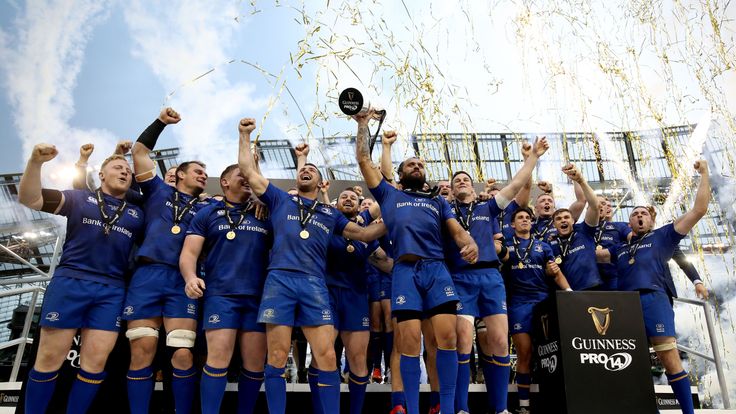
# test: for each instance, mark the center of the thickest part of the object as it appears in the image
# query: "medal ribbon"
(108, 221)
(599, 233)
(564, 247)
(633, 248)
(540, 236)
(242, 212)
(305, 213)
(464, 221)
(517, 245)
(178, 215)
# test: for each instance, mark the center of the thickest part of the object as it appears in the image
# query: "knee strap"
(181, 338)
(665, 347)
(469, 318)
(140, 332)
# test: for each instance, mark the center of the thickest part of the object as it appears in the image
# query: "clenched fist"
(573, 172)
(43, 153)
(85, 151)
(169, 116)
(545, 186)
(389, 137)
(302, 150)
(526, 149)
(701, 166)
(123, 147)
(247, 125)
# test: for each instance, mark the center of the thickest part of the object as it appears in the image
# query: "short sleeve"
(340, 223)
(273, 196)
(587, 229)
(149, 187)
(615, 250)
(366, 216)
(198, 226)
(495, 227)
(493, 209)
(382, 190)
(71, 200)
(513, 206)
(445, 210)
(670, 236)
(623, 230)
(548, 253)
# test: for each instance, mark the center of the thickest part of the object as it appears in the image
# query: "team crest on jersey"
(192, 309)
(449, 291)
(92, 200)
(269, 313)
(214, 319)
(538, 248)
(128, 310)
(400, 300)
(366, 322)
(459, 306)
(52, 316)
(133, 213)
(326, 314)
(220, 212)
(327, 210)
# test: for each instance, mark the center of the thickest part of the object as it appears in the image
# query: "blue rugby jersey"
(237, 266)
(609, 234)
(290, 251)
(160, 244)
(579, 265)
(414, 222)
(650, 258)
(90, 254)
(530, 284)
(483, 225)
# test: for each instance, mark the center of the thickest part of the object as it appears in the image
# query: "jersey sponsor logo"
(419, 202)
(191, 309)
(215, 318)
(269, 314)
(616, 362)
(133, 213)
(326, 315)
(128, 310)
(366, 322)
(400, 300)
(52, 316)
(660, 328)
(449, 291)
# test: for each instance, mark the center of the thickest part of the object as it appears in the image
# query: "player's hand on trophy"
(194, 288)
(246, 126)
(366, 115)
(169, 116)
(43, 152)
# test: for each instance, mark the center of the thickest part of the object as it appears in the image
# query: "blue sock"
(463, 382)
(249, 385)
(410, 373)
(212, 389)
(388, 346)
(375, 351)
(140, 389)
(447, 377)
(523, 383)
(398, 398)
(329, 390)
(434, 398)
(497, 383)
(357, 386)
(39, 390)
(312, 376)
(486, 364)
(680, 384)
(83, 391)
(183, 383)
(275, 389)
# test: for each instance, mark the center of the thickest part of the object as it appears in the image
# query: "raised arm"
(387, 166)
(324, 191)
(593, 212)
(687, 221)
(468, 247)
(577, 206)
(302, 151)
(365, 234)
(194, 286)
(80, 178)
(246, 162)
(143, 165)
(531, 156)
(371, 173)
(30, 193)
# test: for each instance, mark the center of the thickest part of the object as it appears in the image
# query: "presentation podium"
(592, 354)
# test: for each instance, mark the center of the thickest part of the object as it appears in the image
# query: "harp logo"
(601, 319)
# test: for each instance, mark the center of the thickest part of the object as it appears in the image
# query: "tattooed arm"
(371, 173)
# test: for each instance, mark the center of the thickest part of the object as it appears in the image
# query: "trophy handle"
(382, 113)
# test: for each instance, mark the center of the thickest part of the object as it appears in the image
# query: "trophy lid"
(350, 101)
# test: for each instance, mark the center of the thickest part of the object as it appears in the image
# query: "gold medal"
(632, 261)
(558, 260)
(304, 234)
(599, 247)
(350, 248)
(230, 235)
(175, 229)
(521, 265)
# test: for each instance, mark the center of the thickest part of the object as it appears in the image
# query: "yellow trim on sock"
(356, 382)
(88, 380)
(183, 376)
(319, 384)
(678, 378)
(212, 374)
(410, 356)
(494, 362)
(139, 378)
(253, 378)
(46, 380)
(463, 362)
(448, 349)
(523, 385)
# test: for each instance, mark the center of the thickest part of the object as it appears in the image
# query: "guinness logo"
(544, 319)
(601, 318)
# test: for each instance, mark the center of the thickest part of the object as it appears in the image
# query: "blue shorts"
(659, 317)
(71, 303)
(481, 291)
(295, 299)
(374, 288)
(385, 292)
(351, 311)
(609, 285)
(520, 317)
(232, 312)
(421, 286)
(158, 290)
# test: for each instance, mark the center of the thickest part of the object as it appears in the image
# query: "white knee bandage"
(140, 332)
(181, 338)
(665, 347)
(470, 319)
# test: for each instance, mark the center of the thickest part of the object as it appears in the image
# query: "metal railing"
(716, 357)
